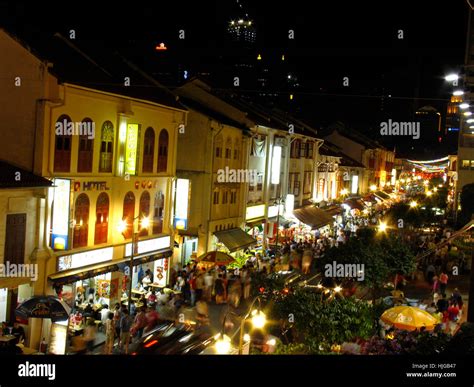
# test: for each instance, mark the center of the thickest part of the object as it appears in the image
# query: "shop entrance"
(189, 246)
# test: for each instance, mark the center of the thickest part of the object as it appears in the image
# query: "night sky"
(344, 38)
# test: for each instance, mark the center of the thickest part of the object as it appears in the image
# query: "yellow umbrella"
(409, 318)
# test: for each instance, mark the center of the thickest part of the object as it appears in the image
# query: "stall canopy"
(82, 273)
(282, 221)
(313, 216)
(382, 195)
(235, 239)
(333, 211)
(355, 204)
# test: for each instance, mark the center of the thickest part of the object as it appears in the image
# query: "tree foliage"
(320, 323)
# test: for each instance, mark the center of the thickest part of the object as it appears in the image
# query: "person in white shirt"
(146, 281)
(104, 314)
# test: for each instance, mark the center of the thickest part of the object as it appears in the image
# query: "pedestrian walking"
(219, 289)
(125, 325)
(307, 260)
(117, 318)
(208, 285)
(109, 333)
(443, 283)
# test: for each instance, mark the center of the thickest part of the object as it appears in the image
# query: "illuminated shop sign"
(181, 204)
(255, 212)
(149, 245)
(60, 222)
(73, 261)
(131, 146)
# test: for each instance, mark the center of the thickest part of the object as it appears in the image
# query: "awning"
(382, 195)
(313, 216)
(82, 273)
(192, 232)
(333, 211)
(282, 221)
(235, 239)
(355, 204)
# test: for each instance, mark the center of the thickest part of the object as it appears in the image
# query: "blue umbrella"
(43, 307)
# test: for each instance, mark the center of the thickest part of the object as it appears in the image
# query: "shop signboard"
(131, 147)
(149, 245)
(73, 261)
(181, 204)
(57, 339)
(255, 212)
(161, 272)
(60, 222)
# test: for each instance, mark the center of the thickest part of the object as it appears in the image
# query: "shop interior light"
(464, 105)
(467, 114)
(373, 187)
(458, 92)
(429, 193)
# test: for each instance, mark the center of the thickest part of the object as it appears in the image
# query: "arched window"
(86, 146)
(128, 213)
(144, 210)
(106, 147)
(102, 219)
(62, 145)
(163, 151)
(148, 150)
(158, 213)
(81, 217)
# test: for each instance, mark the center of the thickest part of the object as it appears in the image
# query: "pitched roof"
(354, 135)
(330, 149)
(12, 176)
(259, 114)
(223, 119)
(94, 64)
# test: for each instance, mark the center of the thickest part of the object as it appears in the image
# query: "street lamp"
(382, 227)
(413, 204)
(122, 227)
(259, 320)
(451, 77)
(223, 344)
